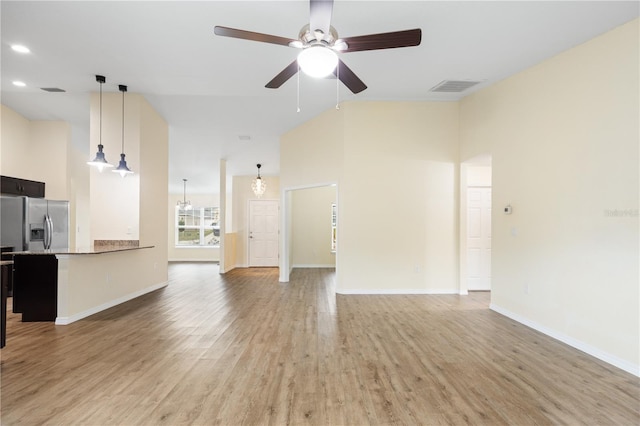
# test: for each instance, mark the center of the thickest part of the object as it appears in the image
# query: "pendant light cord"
(100, 131)
(338, 86)
(123, 121)
(298, 96)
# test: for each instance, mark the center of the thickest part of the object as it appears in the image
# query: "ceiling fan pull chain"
(298, 100)
(338, 87)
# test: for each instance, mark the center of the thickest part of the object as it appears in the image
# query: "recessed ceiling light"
(20, 48)
(19, 83)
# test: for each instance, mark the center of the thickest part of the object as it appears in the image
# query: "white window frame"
(202, 227)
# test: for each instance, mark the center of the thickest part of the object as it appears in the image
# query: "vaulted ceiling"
(210, 89)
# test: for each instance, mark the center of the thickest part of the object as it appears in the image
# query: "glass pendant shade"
(317, 61)
(259, 185)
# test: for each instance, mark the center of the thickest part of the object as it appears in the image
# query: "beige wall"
(15, 140)
(190, 254)
(153, 173)
(398, 198)
(311, 227)
(396, 168)
(311, 154)
(37, 150)
(563, 137)
(115, 201)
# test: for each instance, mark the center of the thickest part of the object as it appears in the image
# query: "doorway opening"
(475, 224)
(309, 228)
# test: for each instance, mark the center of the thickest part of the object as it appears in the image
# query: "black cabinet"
(35, 287)
(6, 267)
(5, 256)
(16, 186)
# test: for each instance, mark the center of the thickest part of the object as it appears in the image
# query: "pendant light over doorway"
(122, 166)
(259, 185)
(100, 161)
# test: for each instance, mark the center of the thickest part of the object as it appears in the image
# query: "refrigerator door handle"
(48, 233)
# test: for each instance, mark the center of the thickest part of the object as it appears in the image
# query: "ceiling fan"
(320, 43)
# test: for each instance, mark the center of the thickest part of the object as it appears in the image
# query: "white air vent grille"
(453, 86)
(53, 89)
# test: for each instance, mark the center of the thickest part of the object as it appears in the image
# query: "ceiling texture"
(210, 89)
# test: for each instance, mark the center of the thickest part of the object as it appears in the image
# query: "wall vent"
(244, 137)
(52, 89)
(453, 86)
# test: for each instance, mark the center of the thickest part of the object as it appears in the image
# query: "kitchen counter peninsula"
(81, 250)
(65, 285)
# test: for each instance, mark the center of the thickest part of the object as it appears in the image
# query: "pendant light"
(122, 166)
(184, 204)
(259, 185)
(100, 161)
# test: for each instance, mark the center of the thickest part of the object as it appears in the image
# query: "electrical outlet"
(526, 288)
(155, 265)
(108, 278)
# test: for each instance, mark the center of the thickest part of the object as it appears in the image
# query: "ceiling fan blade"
(390, 40)
(250, 35)
(320, 15)
(284, 75)
(349, 78)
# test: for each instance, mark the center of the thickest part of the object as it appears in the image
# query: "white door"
(263, 233)
(479, 238)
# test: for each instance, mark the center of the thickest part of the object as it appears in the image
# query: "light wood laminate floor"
(245, 349)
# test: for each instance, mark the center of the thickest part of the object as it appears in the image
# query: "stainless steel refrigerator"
(34, 223)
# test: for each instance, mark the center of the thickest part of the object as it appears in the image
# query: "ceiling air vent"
(244, 137)
(453, 86)
(52, 89)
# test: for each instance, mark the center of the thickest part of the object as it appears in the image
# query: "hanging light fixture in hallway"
(184, 204)
(259, 185)
(122, 166)
(100, 161)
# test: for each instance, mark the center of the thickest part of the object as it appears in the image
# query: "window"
(198, 227)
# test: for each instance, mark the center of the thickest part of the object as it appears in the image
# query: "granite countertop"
(98, 249)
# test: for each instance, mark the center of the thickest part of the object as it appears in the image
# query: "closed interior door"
(263, 233)
(479, 238)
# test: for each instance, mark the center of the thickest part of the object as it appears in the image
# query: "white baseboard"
(392, 291)
(110, 304)
(309, 265)
(622, 364)
(193, 260)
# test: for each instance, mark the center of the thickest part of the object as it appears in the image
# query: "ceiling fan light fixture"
(317, 61)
